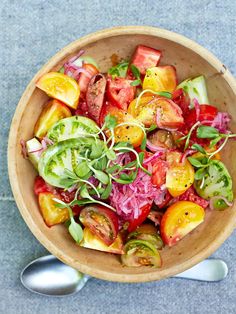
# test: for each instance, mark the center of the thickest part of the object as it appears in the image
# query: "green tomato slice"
(217, 182)
(72, 127)
(63, 157)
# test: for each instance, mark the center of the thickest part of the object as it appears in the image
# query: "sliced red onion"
(23, 149)
(197, 108)
(153, 157)
(187, 153)
(80, 53)
(81, 70)
(216, 198)
(153, 148)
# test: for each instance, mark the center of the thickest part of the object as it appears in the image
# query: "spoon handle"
(207, 270)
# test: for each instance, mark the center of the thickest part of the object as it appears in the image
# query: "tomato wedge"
(144, 211)
(119, 92)
(207, 113)
(54, 111)
(159, 170)
(91, 241)
(162, 78)
(40, 186)
(145, 57)
(180, 219)
(52, 215)
(61, 87)
(126, 133)
(101, 221)
(84, 79)
(180, 175)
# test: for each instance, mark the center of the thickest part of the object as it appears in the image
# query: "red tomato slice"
(207, 112)
(169, 115)
(84, 79)
(182, 100)
(95, 95)
(145, 57)
(101, 221)
(40, 186)
(120, 92)
(68, 197)
(144, 211)
(159, 170)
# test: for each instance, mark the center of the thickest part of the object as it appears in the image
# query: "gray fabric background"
(30, 33)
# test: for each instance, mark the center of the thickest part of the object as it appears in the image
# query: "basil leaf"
(75, 230)
(204, 131)
(135, 71)
(199, 148)
(195, 162)
(200, 173)
(215, 141)
(136, 83)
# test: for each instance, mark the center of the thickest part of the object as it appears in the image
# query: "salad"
(129, 160)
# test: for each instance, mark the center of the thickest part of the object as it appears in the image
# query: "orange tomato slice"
(180, 175)
(52, 112)
(180, 219)
(162, 78)
(61, 87)
(52, 215)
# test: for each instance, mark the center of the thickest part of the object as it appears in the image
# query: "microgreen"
(198, 148)
(136, 74)
(119, 70)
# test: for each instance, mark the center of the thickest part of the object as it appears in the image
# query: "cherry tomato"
(144, 211)
(52, 112)
(207, 113)
(61, 87)
(101, 221)
(180, 175)
(162, 138)
(95, 96)
(162, 78)
(169, 115)
(145, 57)
(159, 170)
(126, 133)
(144, 111)
(52, 215)
(180, 219)
(40, 186)
(91, 241)
(84, 79)
(119, 92)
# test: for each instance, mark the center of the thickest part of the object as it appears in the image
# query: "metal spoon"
(49, 276)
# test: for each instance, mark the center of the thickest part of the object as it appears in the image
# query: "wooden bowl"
(190, 59)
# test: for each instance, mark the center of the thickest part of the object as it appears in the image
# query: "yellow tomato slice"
(52, 112)
(61, 87)
(52, 215)
(127, 132)
(180, 175)
(180, 219)
(144, 111)
(91, 241)
(162, 78)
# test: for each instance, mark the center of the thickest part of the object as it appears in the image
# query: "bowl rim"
(13, 146)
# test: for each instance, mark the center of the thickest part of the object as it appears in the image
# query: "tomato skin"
(61, 87)
(180, 219)
(95, 96)
(144, 211)
(161, 78)
(40, 186)
(145, 57)
(101, 221)
(119, 92)
(52, 215)
(84, 80)
(53, 111)
(182, 100)
(159, 170)
(207, 112)
(125, 133)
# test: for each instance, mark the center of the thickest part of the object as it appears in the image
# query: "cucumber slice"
(32, 147)
(65, 155)
(72, 127)
(195, 88)
(217, 182)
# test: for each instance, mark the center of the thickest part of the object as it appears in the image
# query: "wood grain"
(190, 59)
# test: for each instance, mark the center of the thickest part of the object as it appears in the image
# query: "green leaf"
(107, 191)
(141, 157)
(110, 121)
(111, 155)
(70, 174)
(164, 94)
(136, 82)
(113, 168)
(135, 71)
(75, 230)
(84, 192)
(101, 176)
(144, 143)
(215, 141)
(68, 182)
(96, 151)
(119, 70)
(152, 128)
(204, 131)
(200, 173)
(195, 162)
(199, 148)
(82, 169)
